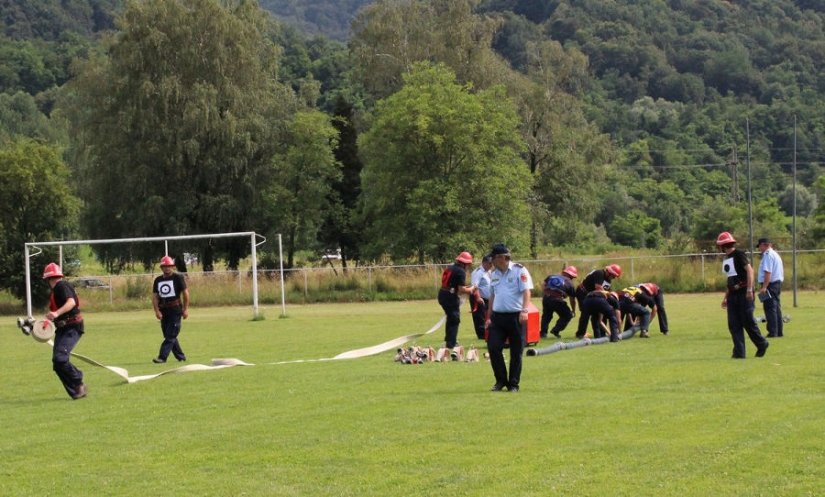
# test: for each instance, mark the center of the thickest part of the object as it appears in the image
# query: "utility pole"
(734, 174)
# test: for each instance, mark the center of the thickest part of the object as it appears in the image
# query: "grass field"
(668, 416)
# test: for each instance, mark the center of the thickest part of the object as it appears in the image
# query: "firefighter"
(739, 297)
(653, 297)
(630, 303)
(595, 280)
(170, 299)
(453, 285)
(597, 305)
(64, 312)
(555, 289)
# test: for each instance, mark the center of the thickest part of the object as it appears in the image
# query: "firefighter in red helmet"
(557, 289)
(653, 297)
(453, 285)
(594, 281)
(739, 297)
(170, 299)
(64, 312)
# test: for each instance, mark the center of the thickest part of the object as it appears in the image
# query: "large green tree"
(442, 171)
(303, 176)
(176, 126)
(36, 204)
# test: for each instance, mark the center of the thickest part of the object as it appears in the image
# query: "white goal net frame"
(253, 244)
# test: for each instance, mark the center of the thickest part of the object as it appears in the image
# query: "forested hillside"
(330, 18)
(620, 124)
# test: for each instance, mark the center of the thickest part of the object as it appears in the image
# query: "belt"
(68, 321)
(554, 294)
(508, 313)
(169, 305)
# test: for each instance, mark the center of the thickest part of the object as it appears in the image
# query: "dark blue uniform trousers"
(595, 308)
(661, 314)
(773, 310)
(740, 320)
(170, 325)
(65, 340)
(450, 303)
(480, 318)
(503, 326)
(559, 306)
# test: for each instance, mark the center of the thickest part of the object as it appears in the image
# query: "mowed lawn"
(667, 416)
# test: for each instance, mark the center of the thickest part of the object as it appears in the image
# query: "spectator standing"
(770, 276)
(480, 279)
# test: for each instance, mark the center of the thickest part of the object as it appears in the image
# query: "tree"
(341, 228)
(35, 204)
(303, 174)
(390, 36)
(636, 229)
(176, 126)
(806, 202)
(566, 155)
(19, 116)
(442, 171)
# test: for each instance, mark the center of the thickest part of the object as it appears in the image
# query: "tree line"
(438, 126)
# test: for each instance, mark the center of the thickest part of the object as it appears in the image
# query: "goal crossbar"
(253, 237)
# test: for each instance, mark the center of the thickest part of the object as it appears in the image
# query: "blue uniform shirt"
(772, 263)
(481, 280)
(508, 287)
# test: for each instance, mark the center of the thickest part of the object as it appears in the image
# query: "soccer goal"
(32, 249)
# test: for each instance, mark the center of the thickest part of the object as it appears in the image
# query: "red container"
(531, 328)
(533, 325)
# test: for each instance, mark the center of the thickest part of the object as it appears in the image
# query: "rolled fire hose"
(584, 342)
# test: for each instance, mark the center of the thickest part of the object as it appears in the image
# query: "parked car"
(89, 283)
(331, 255)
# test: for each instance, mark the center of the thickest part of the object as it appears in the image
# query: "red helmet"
(465, 258)
(725, 238)
(52, 270)
(166, 261)
(570, 271)
(614, 270)
(650, 288)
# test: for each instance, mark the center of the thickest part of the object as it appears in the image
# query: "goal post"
(255, 240)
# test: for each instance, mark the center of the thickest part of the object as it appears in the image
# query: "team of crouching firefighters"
(499, 294)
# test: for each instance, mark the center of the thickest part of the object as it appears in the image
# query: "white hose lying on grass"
(230, 362)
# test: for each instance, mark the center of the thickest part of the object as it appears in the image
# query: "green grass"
(668, 416)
